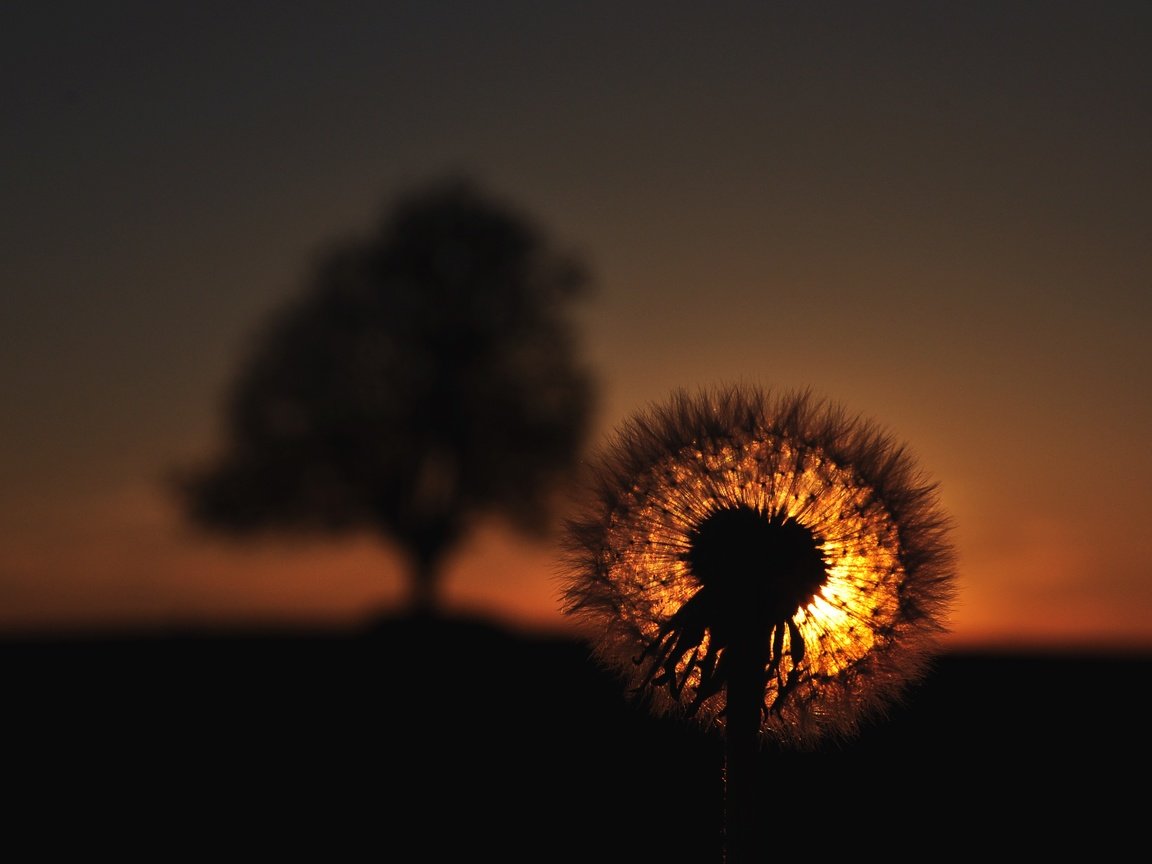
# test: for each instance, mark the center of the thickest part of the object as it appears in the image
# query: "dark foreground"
(455, 740)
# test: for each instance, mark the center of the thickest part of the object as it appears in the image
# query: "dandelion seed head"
(740, 511)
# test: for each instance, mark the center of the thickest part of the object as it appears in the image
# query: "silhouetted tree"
(427, 376)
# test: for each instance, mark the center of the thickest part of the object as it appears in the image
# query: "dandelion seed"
(738, 535)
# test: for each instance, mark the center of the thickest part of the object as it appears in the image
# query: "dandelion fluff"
(774, 521)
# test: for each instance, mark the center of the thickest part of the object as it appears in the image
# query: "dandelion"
(764, 564)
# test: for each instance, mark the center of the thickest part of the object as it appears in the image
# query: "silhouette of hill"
(444, 739)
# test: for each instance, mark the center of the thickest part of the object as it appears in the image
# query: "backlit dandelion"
(740, 541)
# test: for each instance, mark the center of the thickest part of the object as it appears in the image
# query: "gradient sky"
(936, 214)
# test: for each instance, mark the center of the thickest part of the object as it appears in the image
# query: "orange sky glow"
(937, 218)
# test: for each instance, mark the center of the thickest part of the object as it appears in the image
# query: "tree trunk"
(424, 594)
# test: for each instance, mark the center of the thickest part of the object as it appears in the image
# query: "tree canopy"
(427, 375)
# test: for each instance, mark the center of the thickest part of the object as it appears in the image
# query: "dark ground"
(456, 740)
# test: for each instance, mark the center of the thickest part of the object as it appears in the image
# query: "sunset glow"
(941, 218)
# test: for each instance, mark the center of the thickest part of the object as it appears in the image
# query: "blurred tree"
(427, 376)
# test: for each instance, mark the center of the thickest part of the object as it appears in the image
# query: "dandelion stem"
(745, 697)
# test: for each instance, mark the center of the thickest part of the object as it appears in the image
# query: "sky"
(935, 214)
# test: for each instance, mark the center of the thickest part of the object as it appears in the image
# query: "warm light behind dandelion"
(739, 509)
